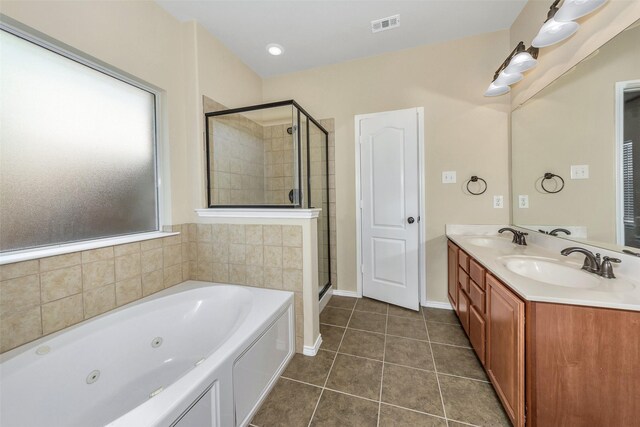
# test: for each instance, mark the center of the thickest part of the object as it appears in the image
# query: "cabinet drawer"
(463, 309)
(476, 295)
(476, 271)
(477, 333)
(463, 280)
(463, 260)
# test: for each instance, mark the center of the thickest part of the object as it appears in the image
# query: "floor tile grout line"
(433, 358)
(384, 351)
(331, 368)
(413, 410)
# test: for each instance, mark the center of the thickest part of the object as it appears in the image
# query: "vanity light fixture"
(275, 49)
(559, 25)
(510, 71)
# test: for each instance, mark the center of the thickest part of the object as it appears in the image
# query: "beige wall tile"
(61, 283)
(172, 255)
(292, 257)
(237, 274)
(255, 275)
(220, 272)
(128, 290)
(193, 268)
(220, 252)
(19, 293)
(292, 279)
(18, 269)
(62, 313)
(20, 327)
(253, 234)
(151, 260)
(172, 275)
(236, 233)
(60, 261)
(172, 240)
(292, 235)
(272, 235)
(254, 255)
(220, 233)
(204, 271)
(127, 266)
(99, 300)
(152, 282)
(193, 251)
(273, 277)
(192, 232)
(236, 253)
(273, 256)
(147, 245)
(96, 274)
(204, 252)
(129, 248)
(204, 232)
(97, 254)
(186, 271)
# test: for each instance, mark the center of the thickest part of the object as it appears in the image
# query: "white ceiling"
(321, 32)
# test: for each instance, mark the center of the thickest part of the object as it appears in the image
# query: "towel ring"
(549, 175)
(475, 178)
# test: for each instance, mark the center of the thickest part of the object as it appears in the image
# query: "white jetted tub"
(197, 354)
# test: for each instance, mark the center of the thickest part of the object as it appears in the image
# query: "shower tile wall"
(42, 296)
(279, 167)
(266, 256)
(238, 161)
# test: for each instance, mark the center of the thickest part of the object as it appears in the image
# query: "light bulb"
(275, 49)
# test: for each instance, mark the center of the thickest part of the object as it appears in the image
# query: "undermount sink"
(551, 272)
(492, 242)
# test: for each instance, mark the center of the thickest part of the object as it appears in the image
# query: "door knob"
(410, 220)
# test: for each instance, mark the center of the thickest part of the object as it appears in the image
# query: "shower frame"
(306, 196)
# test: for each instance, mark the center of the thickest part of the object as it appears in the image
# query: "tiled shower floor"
(381, 365)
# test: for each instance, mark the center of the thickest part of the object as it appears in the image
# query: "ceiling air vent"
(385, 23)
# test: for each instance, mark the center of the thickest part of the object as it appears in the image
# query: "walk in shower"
(271, 156)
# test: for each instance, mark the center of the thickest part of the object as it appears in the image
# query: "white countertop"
(620, 293)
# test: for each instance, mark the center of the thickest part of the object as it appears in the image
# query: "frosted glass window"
(77, 150)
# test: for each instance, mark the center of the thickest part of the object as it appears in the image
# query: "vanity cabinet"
(452, 260)
(505, 347)
(582, 364)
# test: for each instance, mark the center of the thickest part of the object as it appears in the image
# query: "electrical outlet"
(449, 177)
(523, 201)
(579, 171)
(498, 202)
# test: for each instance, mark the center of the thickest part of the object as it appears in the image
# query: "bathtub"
(197, 354)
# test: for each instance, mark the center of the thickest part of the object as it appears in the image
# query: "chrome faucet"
(592, 262)
(518, 236)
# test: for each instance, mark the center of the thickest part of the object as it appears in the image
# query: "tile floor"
(381, 365)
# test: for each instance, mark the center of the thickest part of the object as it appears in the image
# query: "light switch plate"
(498, 202)
(523, 201)
(579, 171)
(449, 177)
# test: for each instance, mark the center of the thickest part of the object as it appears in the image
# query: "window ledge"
(259, 213)
(29, 254)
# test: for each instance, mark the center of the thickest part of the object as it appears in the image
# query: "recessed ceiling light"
(275, 49)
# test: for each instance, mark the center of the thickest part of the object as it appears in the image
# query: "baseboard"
(351, 294)
(312, 351)
(325, 299)
(438, 304)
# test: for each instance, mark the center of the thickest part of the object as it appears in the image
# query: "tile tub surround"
(387, 378)
(42, 296)
(262, 255)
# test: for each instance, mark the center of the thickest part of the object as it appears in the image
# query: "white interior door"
(390, 203)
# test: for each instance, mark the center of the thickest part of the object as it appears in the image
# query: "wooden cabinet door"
(477, 333)
(453, 274)
(505, 347)
(463, 309)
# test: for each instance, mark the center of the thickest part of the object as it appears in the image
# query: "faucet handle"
(606, 269)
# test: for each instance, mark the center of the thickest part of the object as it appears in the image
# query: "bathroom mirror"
(582, 133)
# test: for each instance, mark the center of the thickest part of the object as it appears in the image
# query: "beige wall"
(464, 131)
(554, 61)
(572, 122)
